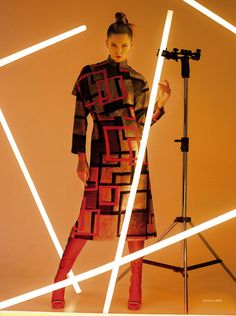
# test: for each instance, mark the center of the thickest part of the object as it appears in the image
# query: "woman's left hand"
(164, 93)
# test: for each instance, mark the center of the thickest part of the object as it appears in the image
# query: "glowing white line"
(106, 267)
(178, 237)
(34, 193)
(143, 252)
(138, 168)
(211, 15)
(32, 49)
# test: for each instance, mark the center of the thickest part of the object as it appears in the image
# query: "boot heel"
(134, 306)
(57, 304)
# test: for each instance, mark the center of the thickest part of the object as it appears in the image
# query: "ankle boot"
(72, 250)
(135, 290)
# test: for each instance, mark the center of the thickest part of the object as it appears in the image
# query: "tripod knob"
(184, 143)
(182, 219)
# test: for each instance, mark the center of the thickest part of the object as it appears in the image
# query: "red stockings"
(73, 249)
(71, 252)
(135, 290)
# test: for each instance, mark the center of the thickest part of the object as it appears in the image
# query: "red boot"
(72, 250)
(135, 290)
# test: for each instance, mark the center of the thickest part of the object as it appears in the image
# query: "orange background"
(37, 103)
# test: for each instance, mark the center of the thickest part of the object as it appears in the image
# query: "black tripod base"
(180, 269)
(187, 220)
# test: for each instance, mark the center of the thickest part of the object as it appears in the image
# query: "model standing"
(117, 97)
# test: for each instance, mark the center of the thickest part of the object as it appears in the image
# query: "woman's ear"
(107, 42)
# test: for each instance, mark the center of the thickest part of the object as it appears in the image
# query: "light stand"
(184, 56)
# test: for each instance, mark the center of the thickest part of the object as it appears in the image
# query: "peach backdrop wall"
(36, 100)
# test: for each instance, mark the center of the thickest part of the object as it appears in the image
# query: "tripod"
(184, 56)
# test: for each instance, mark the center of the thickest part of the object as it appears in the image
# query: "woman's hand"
(164, 93)
(82, 168)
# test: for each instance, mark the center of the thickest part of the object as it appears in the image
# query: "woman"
(116, 96)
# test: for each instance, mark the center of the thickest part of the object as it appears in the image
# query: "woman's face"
(118, 46)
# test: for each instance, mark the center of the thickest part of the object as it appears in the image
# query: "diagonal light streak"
(32, 49)
(139, 164)
(138, 254)
(34, 192)
(143, 252)
(211, 15)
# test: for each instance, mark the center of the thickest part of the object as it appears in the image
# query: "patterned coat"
(116, 96)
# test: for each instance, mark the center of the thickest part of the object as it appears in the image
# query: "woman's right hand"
(82, 168)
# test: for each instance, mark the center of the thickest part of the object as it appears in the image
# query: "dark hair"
(121, 26)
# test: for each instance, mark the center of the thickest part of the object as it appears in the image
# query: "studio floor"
(162, 294)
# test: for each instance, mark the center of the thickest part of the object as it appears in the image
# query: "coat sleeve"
(80, 120)
(141, 103)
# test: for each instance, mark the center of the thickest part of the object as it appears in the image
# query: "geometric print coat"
(116, 96)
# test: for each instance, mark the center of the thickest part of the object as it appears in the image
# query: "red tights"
(74, 247)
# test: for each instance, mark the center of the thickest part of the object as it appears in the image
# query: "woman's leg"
(135, 290)
(71, 252)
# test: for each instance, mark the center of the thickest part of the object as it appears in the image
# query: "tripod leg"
(167, 231)
(185, 266)
(214, 254)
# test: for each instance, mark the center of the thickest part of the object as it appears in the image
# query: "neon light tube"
(34, 193)
(178, 237)
(32, 49)
(211, 15)
(106, 267)
(138, 167)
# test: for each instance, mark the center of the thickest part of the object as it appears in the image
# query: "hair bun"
(121, 18)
